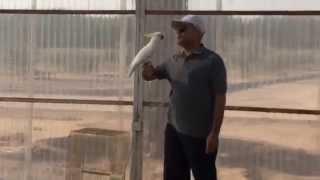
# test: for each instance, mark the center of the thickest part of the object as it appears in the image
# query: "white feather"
(146, 52)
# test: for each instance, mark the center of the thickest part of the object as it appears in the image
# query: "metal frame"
(227, 12)
(65, 12)
(138, 104)
(162, 12)
(136, 172)
(152, 104)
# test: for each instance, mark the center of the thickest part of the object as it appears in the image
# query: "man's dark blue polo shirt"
(195, 80)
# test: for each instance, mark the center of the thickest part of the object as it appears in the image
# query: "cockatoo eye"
(161, 36)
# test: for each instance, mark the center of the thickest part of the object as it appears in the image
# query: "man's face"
(186, 35)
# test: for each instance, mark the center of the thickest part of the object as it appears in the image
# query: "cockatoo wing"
(142, 56)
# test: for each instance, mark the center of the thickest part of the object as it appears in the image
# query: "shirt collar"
(198, 51)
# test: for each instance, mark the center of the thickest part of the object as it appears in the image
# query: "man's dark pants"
(183, 153)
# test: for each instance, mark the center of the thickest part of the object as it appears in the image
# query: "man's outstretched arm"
(149, 72)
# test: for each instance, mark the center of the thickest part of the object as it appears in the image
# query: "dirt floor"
(267, 146)
(253, 146)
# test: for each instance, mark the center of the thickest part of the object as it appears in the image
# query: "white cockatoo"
(147, 51)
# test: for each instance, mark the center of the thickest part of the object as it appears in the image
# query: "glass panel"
(269, 146)
(167, 4)
(262, 58)
(65, 56)
(271, 62)
(15, 146)
(68, 4)
(253, 5)
(270, 5)
(233, 5)
(68, 56)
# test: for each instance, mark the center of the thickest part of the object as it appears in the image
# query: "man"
(198, 94)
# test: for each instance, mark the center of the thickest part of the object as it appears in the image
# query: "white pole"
(122, 57)
(216, 23)
(219, 5)
(319, 95)
(28, 135)
(136, 172)
(34, 4)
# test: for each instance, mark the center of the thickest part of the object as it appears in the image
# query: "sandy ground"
(253, 146)
(300, 94)
(268, 146)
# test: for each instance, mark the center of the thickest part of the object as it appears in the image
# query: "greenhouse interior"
(69, 110)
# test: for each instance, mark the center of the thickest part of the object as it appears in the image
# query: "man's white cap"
(196, 21)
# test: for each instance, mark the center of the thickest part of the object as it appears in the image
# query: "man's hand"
(212, 143)
(148, 72)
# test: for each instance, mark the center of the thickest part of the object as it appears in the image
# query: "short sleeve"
(218, 76)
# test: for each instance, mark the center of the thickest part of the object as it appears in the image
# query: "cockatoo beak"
(149, 35)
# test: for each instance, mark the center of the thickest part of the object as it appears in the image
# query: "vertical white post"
(28, 134)
(34, 4)
(123, 41)
(216, 31)
(216, 23)
(219, 5)
(137, 124)
(319, 96)
(122, 57)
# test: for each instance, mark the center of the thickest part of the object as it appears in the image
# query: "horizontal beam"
(66, 12)
(152, 104)
(161, 12)
(274, 110)
(242, 13)
(96, 172)
(65, 101)
(251, 109)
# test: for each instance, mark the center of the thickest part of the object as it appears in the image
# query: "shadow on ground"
(233, 153)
